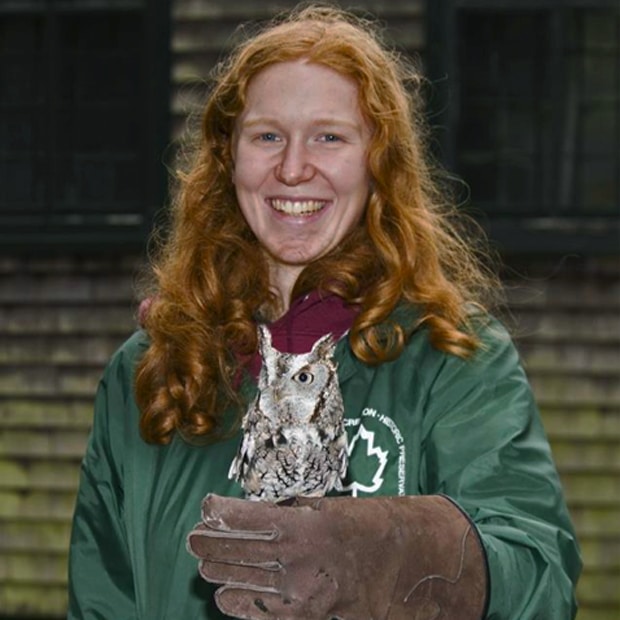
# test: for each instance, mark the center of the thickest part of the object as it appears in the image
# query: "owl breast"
(294, 441)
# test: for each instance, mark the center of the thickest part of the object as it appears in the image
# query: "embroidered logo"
(368, 437)
(377, 455)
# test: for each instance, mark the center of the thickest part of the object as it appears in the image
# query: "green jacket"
(425, 423)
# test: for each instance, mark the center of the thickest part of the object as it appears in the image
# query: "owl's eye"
(304, 377)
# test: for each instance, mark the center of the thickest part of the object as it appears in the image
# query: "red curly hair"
(211, 277)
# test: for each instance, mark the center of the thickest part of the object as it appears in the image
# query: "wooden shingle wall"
(61, 319)
(567, 327)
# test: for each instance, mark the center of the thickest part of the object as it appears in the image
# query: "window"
(83, 100)
(534, 120)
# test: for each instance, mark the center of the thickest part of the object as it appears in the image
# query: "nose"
(294, 166)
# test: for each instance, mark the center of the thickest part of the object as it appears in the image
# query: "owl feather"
(294, 442)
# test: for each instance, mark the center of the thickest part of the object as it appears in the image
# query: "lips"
(297, 207)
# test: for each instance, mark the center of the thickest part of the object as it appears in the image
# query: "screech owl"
(294, 442)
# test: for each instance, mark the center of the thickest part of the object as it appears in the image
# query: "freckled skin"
(301, 138)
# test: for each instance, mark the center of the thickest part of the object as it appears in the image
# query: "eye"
(303, 377)
(268, 136)
(330, 137)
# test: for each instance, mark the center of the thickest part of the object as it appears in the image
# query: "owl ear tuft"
(324, 346)
(268, 355)
(264, 339)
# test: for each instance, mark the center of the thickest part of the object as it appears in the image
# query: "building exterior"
(94, 95)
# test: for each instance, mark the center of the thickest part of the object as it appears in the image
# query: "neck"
(283, 278)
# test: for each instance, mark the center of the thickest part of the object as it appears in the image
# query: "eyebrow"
(319, 122)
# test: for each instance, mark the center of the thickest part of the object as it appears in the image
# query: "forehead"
(306, 84)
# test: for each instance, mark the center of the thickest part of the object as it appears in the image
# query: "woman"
(310, 208)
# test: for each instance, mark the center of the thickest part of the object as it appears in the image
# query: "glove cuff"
(447, 576)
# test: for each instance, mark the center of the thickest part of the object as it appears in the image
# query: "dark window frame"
(546, 230)
(44, 227)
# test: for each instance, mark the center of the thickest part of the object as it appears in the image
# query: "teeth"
(297, 207)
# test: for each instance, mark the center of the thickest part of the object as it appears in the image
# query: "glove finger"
(230, 548)
(219, 530)
(240, 515)
(255, 575)
(253, 604)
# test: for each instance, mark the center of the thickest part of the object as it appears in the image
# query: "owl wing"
(247, 448)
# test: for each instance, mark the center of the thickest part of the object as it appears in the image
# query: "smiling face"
(300, 164)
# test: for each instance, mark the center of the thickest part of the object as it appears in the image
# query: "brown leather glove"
(348, 558)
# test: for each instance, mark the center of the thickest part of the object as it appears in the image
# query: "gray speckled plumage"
(294, 442)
